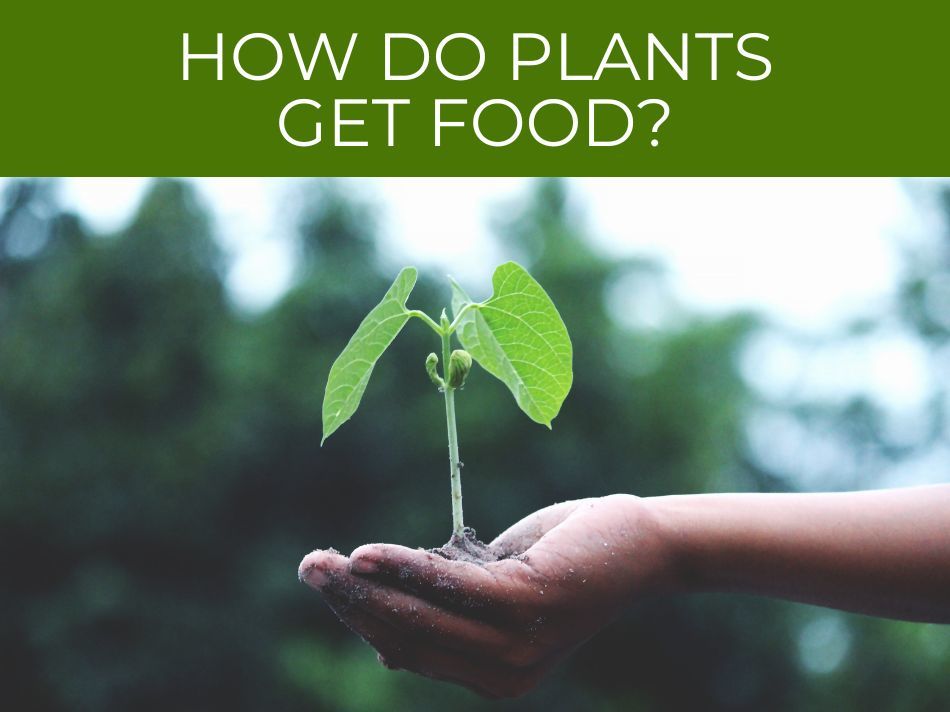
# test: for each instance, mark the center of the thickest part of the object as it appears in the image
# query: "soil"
(469, 548)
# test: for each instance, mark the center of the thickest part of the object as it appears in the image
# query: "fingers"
(399, 651)
(457, 585)
(415, 635)
(522, 535)
(319, 566)
(425, 621)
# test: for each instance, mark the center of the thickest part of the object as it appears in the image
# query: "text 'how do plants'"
(596, 120)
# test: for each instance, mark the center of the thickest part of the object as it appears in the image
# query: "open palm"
(497, 628)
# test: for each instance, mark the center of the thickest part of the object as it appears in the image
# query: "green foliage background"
(161, 475)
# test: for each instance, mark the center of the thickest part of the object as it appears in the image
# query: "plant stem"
(426, 318)
(454, 464)
(458, 317)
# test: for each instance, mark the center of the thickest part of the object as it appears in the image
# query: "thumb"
(522, 535)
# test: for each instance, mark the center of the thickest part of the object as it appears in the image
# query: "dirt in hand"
(469, 548)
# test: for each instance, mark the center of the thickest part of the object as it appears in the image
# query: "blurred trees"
(161, 474)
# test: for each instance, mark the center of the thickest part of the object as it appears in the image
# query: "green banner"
(493, 88)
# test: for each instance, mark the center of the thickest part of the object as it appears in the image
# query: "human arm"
(573, 567)
(880, 552)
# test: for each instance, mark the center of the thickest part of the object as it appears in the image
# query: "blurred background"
(164, 347)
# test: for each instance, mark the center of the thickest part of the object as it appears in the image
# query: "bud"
(431, 362)
(460, 363)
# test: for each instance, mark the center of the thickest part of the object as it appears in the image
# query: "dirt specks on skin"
(469, 548)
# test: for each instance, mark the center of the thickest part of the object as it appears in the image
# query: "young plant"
(516, 335)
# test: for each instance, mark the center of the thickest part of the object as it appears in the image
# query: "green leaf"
(518, 336)
(351, 371)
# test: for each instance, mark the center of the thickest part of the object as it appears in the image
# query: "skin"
(499, 628)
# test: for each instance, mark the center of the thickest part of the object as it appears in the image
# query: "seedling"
(516, 335)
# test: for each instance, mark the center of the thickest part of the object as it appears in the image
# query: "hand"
(498, 628)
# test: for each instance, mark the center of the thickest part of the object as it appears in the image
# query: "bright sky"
(809, 252)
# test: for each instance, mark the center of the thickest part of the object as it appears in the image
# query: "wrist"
(674, 521)
(657, 554)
